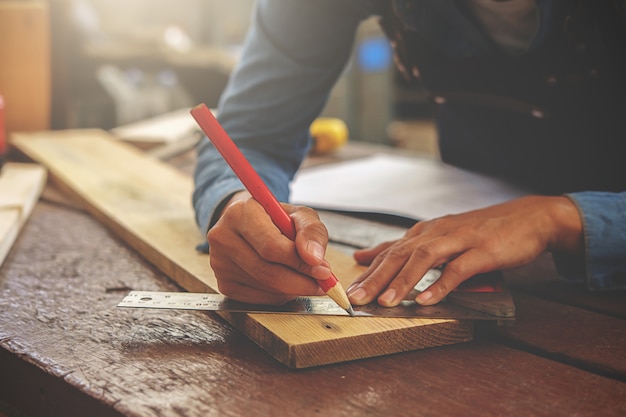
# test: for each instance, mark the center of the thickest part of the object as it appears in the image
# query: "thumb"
(311, 235)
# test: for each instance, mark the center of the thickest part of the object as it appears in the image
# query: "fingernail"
(423, 297)
(315, 249)
(388, 297)
(320, 272)
(358, 295)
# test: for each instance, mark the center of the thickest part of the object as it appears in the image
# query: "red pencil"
(259, 191)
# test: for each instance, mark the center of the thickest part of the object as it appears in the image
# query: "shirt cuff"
(212, 203)
(603, 266)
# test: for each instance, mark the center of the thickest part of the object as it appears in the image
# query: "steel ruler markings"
(301, 305)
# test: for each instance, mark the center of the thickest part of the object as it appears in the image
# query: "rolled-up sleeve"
(604, 222)
(294, 52)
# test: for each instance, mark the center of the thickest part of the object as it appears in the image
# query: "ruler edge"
(272, 309)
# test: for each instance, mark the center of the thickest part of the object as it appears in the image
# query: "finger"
(255, 227)
(277, 275)
(380, 272)
(263, 276)
(276, 253)
(465, 266)
(311, 235)
(366, 256)
(247, 294)
(234, 259)
(398, 269)
(423, 257)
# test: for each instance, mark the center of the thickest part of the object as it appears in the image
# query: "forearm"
(281, 84)
(215, 182)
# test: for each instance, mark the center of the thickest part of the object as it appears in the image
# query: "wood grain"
(541, 279)
(148, 204)
(20, 187)
(574, 335)
(149, 363)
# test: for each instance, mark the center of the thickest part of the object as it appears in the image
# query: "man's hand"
(498, 237)
(254, 262)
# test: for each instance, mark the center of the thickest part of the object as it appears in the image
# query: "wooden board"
(148, 204)
(20, 188)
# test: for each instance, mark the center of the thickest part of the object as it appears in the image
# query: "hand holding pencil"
(273, 268)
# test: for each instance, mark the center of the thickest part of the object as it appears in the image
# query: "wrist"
(568, 226)
(219, 210)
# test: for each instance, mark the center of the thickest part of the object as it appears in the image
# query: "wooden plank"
(9, 229)
(148, 204)
(20, 188)
(541, 279)
(573, 335)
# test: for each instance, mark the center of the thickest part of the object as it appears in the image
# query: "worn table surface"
(65, 349)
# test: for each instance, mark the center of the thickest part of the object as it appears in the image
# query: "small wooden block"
(148, 204)
(20, 188)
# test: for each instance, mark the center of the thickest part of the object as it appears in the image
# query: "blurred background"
(74, 64)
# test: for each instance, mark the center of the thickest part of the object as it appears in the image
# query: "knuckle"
(278, 299)
(307, 220)
(303, 267)
(405, 280)
(491, 247)
(395, 253)
(215, 235)
(443, 289)
(454, 269)
(319, 232)
(233, 209)
(226, 287)
(264, 274)
(403, 284)
(269, 249)
(424, 251)
(306, 213)
(216, 262)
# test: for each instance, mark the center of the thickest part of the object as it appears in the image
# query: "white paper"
(416, 188)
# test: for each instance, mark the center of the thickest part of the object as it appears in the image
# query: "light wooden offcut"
(20, 188)
(148, 204)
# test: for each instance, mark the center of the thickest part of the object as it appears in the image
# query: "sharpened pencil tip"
(351, 311)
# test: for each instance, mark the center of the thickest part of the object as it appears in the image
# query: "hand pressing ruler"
(322, 306)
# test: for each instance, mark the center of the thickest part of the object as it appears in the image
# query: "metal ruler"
(301, 305)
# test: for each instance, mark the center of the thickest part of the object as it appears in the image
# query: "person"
(531, 91)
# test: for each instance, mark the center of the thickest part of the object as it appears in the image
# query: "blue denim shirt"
(294, 52)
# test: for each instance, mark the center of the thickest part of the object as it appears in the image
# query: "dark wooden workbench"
(66, 350)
